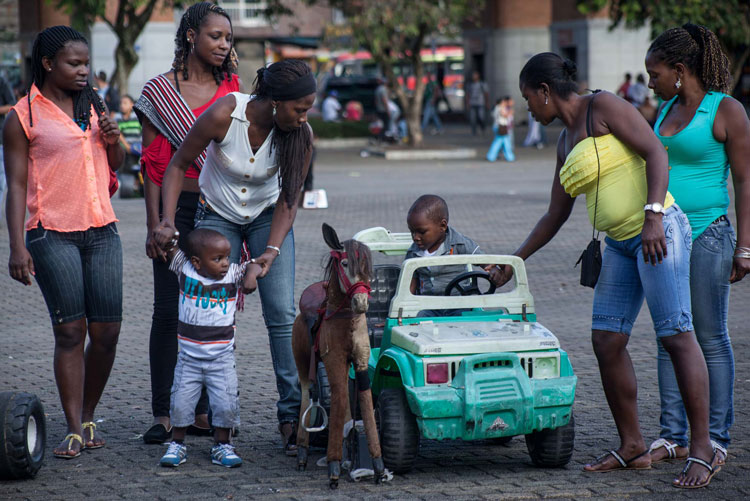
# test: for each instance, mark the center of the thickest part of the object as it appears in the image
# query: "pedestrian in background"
(61, 150)
(622, 91)
(535, 135)
(706, 134)
(108, 93)
(331, 107)
(502, 116)
(638, 92)
(382, 109)
(477, 98)
(432, 95)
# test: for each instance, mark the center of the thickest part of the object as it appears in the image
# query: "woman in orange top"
(203, 70)
(54, 141)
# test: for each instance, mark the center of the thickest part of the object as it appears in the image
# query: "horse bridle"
(351, 288)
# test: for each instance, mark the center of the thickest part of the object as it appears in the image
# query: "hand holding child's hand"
(250, 283)
(500, 274)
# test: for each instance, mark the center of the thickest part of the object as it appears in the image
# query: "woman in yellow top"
(647, 253)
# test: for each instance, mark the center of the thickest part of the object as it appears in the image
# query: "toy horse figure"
(337, 309)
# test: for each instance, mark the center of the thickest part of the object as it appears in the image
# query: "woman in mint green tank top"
(706, 134)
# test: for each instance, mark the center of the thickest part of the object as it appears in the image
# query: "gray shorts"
(219, 376)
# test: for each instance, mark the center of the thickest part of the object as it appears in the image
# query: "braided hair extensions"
(192, 19)
(698, 49)
(47, 44)
(291, 146)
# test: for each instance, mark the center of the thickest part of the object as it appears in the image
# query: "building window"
(246, 13)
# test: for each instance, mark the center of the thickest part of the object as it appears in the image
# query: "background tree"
(729, 19)
(128, 23)
(394, 32)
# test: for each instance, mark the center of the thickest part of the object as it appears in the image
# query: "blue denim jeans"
(710, 267)
(502, 143)
(626, 279)
(431, 115)
(219, 376)
(276, 296)
(79, 272)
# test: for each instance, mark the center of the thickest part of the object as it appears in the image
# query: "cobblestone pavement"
(496, 204)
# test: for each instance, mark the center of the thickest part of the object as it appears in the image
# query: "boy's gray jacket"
(432, 280)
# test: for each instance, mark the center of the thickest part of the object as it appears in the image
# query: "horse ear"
(331, 238)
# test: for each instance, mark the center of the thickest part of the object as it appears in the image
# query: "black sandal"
(712, 470)
(157, 434)
(624, 464)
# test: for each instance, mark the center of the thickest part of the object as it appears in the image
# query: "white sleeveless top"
(237, 182)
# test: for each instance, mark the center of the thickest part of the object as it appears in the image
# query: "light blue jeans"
(219, 376)
(626, 279)
(502, 143)
(276, 296)
(710, 267)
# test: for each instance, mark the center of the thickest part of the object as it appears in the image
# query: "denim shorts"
(219, 376)
(79, 272)
(626, 279)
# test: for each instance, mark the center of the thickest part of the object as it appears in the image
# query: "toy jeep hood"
(462, 338)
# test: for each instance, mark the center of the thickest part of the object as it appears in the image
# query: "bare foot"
(608, 462)
(696, 475)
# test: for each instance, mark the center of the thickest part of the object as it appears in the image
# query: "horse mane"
(359, 258)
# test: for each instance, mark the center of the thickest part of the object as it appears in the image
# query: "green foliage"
(335, 130)
(82, 13)
(729, 19)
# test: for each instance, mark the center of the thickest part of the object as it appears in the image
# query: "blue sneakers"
(224, 455)
(175, 456)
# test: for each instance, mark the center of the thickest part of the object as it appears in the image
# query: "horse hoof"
(334, 472)
(378, 469)
(301, 458)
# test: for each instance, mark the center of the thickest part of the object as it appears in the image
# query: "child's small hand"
(250, 282)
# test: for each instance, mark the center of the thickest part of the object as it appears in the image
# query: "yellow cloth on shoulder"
(622, 185)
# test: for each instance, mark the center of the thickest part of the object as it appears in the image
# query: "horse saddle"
(312, 302)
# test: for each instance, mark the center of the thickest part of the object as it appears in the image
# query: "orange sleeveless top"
(68, 172)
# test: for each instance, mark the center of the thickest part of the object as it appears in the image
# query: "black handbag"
(591, 257)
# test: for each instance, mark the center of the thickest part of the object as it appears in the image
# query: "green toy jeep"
(489, 372)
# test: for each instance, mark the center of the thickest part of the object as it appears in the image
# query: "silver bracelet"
(742, 249)
(743, 255)
(278, 251)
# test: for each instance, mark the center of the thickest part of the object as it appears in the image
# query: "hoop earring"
(678, 84)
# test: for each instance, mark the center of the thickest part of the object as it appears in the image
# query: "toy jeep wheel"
(22, 436)
(399, 433)
(552, 448)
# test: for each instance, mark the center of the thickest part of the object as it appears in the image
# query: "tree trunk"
(125, 60)
(737, 64)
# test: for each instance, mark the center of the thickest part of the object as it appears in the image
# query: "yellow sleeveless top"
(622, 185)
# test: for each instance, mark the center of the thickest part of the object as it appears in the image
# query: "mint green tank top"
(698, 165)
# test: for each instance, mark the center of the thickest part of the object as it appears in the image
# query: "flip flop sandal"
(70, 437)
(91, 427)
(671, 448)
(721, 451)
(712, 470)
(624, 463)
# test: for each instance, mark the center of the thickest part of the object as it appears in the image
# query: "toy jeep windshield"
(489, 372)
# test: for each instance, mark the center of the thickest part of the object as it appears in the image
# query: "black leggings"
(162, 349)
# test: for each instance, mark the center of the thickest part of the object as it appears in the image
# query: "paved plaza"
(496, 204)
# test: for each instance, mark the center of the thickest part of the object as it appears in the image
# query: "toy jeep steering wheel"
(473, 288)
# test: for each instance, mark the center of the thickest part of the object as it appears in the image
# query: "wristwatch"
(654, 207)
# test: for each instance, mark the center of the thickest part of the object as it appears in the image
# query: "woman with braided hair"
(57, 138)
(706, 134)
(259, 149)
(203, 71)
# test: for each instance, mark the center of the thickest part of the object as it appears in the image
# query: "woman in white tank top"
(259, 148)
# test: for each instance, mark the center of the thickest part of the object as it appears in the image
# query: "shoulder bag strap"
(590, 132)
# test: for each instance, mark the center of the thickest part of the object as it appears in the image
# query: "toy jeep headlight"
(541, 365)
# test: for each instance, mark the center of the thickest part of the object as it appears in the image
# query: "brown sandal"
(288, 432)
